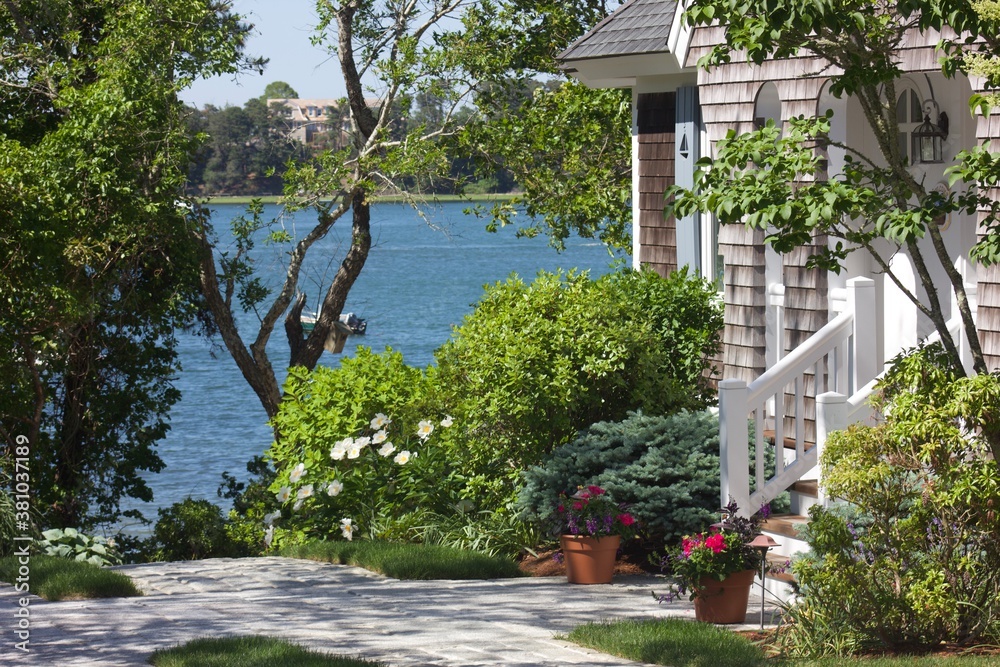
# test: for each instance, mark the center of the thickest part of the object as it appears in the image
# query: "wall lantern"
(928, 138)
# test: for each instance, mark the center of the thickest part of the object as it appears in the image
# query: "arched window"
(909, 116)
(767, 106)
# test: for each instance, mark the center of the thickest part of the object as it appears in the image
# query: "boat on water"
(355, 325)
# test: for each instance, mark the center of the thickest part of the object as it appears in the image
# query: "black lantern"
(928, 139)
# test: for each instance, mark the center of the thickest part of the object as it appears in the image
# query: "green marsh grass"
(249, 651)
(63, 579)
(407, 561)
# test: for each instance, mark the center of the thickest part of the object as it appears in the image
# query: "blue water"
(420, 280)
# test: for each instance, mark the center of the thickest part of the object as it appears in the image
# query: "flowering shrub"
(382, 466)
(723, 551)
(591, 512)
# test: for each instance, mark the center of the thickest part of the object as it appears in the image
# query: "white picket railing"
(840, 358)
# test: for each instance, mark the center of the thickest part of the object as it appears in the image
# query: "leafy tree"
(98, 261)
(404, 51)
(772, 182)
(278, 90)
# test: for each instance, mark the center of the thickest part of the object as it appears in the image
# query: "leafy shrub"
(534, 364)
(665, 469)
(191, 530)
(71, 543)
(914, 560)
(352, 448)
(251, 503)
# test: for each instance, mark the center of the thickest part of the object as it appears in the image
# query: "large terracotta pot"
(590, 560)
(723, 601)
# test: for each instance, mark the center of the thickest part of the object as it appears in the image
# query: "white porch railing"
(841, 359)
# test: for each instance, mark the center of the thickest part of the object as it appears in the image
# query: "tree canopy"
(98, 263)
(444, 92)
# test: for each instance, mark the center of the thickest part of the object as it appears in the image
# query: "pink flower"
(717, 543)
(578, 506)
(626, 519)
(595, 490)
(688, 544)
(561, 509)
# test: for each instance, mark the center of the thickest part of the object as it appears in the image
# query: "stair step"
(779, 563)
(785, 524)
(770, 435)
(806, 487)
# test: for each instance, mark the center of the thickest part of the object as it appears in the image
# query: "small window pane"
(916, 109)
(901, 138)
(901, 108)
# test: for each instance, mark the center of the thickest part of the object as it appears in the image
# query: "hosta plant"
(71, 543)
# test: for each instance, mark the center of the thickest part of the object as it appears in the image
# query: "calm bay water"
(421, 279)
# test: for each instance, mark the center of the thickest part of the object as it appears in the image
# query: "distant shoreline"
(274, 199)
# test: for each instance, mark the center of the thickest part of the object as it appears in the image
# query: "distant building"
(309, 117)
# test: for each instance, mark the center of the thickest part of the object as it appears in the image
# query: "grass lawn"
(407, 561)
(250, 651)
(682, 643)
(63, 579)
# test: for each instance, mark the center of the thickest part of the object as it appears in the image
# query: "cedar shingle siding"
(656, 122)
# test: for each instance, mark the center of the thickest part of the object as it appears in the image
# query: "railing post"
(831, 415)
(861, 302)
(734, 460)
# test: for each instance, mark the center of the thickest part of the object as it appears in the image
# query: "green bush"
(534, 364)
(71, 543)
(251, 503)
(665, 469)
(191, 530)
(394, 476)
(914, 560)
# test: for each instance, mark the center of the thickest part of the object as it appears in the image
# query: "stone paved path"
(333, 608)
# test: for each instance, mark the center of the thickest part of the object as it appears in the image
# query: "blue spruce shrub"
(665, 468)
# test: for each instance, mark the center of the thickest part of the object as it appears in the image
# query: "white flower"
(447, 421)
(298, 505)
(283, 494)
(340, 448)
(380, 421)
(305, 492)
(386, 449)
(354, 451)
(297, 473)
(424, 429)
(361, 443)
(334, 488)
(270, 518)
(380, 437)
(268, 536)
(402, 457)
(347, 529)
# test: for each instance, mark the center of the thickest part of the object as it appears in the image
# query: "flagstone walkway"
(333, 608)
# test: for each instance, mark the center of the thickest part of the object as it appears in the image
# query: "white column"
(733, 458)
(861, 302)
(831, 415)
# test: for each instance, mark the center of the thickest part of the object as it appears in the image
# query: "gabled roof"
(636, 28)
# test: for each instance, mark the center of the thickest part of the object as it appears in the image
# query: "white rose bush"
(385, 470)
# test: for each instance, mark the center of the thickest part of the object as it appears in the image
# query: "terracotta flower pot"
(590, 560)
(723, 601)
